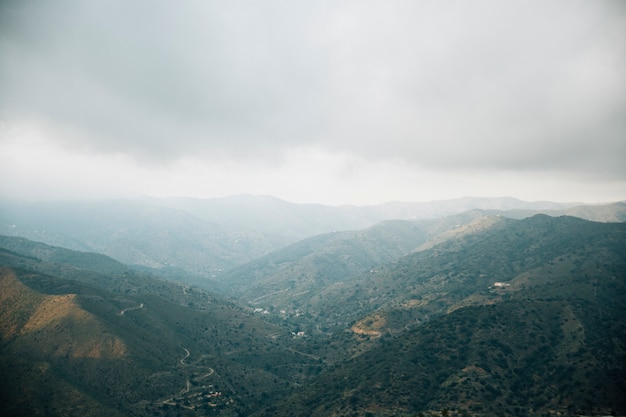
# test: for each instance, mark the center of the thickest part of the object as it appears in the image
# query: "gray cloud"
(508, 87)
(501, 85)
(163, 79)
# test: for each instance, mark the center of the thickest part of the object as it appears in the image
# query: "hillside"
(614, 212)
(288, 279)
(138, 233)
(456, 263)
(196, 240)
(515, 358)
(469, 314)
(611, 212)
(463, 268)
(81, 343)
(518, 318)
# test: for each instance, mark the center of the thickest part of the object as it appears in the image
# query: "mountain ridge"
(195, 240)
(474, 314)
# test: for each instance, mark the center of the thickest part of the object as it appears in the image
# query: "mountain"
(611, 212)
(289, 278)
(138, 233)
(82, 335)
(515, 358)
(509, 318)
(430, 209)
(469, 314)
(294, 221)
(275, 217)
(462, 267)
(339, 278)
(196, 240)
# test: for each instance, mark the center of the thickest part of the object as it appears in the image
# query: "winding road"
(187, 354)
(121, 313)
(187, 392)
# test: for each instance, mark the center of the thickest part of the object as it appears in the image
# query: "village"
(200, 394)
(197, 397)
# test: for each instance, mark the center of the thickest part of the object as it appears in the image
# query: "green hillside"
(463, 268)
(518, 318)
(324, 259)
(515, 358)
(465, 315)
(75, 339)
(292, 278)
(195, 240)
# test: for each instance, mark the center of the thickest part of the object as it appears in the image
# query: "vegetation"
(141, 351)
(468, 315)
(512, 358)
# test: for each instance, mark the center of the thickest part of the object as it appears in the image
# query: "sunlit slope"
(37, 317)
(42, 336)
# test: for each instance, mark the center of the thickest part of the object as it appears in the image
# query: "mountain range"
(488, 311)
(196, 240)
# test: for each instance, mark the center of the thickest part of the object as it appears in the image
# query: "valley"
(470, 313)
(313, 208)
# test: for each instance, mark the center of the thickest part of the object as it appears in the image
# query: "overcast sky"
(336, 102)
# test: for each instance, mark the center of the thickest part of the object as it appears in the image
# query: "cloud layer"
(485, 86)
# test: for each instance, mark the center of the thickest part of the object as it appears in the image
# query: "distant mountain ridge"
(275, 216)
(135, 232)
(195, 240)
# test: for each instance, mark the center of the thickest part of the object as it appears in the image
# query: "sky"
(333, 102)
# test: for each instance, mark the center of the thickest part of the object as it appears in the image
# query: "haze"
(352, 102)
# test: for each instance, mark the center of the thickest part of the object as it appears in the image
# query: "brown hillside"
(43, 318)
